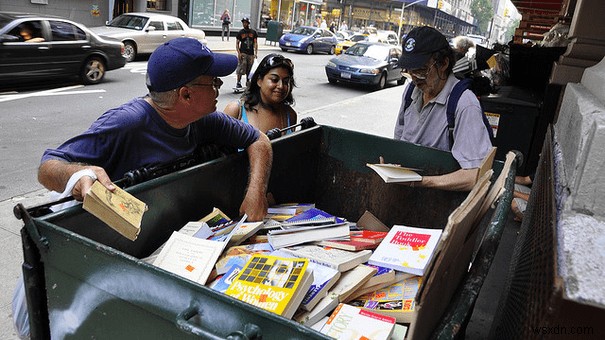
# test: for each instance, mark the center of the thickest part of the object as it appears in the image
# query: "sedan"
(36, 46)
(308, 39)
(352, 40)
(367, 63)
(142, 33)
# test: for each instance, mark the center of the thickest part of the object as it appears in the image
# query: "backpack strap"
(452, 103)
(407, 101)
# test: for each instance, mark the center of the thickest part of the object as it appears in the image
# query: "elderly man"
(428, 60)
(178, 115)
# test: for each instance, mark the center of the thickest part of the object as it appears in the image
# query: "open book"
(118, 209)
(392, 173)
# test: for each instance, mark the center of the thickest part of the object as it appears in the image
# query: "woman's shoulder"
(233, 109)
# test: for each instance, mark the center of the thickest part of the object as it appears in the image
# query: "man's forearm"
(260, 155)
(54, 174)
(459, 180)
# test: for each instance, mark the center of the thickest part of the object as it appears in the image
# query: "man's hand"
(255, 206)
(82, 187)
(54, 175)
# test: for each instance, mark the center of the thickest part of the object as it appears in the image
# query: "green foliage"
(483, 12)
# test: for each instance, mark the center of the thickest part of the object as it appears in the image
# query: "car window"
(129, 21)
(303, 30)
(64, 31)
(27, 30)
(372, 51)
(357, 38)
(159, 26)
(174, 26)
(326, 33)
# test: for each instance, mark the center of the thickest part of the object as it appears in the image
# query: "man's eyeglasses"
(216, 83)
(278, 60)
(420, 74)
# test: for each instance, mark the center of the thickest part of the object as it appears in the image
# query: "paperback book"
(358, 240)
(280, 239)
(273, 283)
(407, 249)
(240, 255)
(338, 259)
(352, 323)
(118, 209)
(392, 173)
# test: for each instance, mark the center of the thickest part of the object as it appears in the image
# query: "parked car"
(343, 45)
(367, 63)
(344, 34)
(142, 33)
(387, 37)
(478, 39)
(38, 46)
(308, 39)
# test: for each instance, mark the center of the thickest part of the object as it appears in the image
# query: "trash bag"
(20, 314)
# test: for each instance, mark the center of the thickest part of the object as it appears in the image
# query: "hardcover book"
(396, 300)
(407, 249)
(118, 209)
(190, 257)
(338, 259)
(352, 323)
(273, 283)
(392, 173)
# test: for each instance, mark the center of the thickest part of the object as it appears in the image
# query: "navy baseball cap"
(419, 45)
(245, 19)
(179, 61)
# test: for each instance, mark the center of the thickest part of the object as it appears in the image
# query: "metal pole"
(403, 7)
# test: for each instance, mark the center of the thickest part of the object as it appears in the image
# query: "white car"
(142, 33)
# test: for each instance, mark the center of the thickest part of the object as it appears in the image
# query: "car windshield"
(371, 51)
(129, 21)
(303, 30)
(357, 38)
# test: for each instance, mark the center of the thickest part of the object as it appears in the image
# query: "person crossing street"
(246, 45)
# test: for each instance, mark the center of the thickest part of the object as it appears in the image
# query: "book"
(118, 209)
(368, 221)
(358, 240)
(351, 280)
(273, 283)
(407, 249)
(281, 240)
(195, 229)
(222, 283)
(323, 279)
(190, 257)
(338, 259)
(396, 300)
(352, 323)
(382, 275)
(322, 309)
(245, 230)
(240, 255)
(392, 173)
(312, 216)
(290, 208)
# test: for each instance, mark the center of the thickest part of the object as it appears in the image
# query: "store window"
(158, 5)
(208, 12)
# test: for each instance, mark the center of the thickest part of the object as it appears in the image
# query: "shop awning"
(538, 5)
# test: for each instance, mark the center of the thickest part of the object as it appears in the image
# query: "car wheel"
(309, 49)
(332, 48)
(332, 80)
(283, 49)
(382, 82)
(130, 51)
(93, 70)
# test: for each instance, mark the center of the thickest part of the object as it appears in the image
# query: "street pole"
(403, 7)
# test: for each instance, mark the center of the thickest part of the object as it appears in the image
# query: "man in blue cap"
(427, 60)
(178, 115)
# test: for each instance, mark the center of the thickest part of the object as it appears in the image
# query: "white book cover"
(190, 257)
(392, 173)
(406, 249)
(322, 309)
(351, 280)
(341, 260)
(352, 323)
(304, 236)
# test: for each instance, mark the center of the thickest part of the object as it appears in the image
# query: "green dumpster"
(275, 30)
(86, 281)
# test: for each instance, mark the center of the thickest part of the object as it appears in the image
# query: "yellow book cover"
(271, 283)
(118, 209)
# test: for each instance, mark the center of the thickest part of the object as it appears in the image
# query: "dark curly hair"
(251, 95)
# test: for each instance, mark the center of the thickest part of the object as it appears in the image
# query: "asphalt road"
(34, 119)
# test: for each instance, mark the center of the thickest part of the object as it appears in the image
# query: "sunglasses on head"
(278, 60)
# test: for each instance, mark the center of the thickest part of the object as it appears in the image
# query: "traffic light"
(439, 4)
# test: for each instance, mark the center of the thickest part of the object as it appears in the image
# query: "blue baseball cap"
(179, 61)
(419, 45)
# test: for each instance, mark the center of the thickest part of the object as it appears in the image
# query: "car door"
(326, 40)
(20, 59)
(69, 47)
(154, 34)
(174, 30)
(394, 71)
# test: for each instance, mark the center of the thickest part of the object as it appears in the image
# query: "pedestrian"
(428, 60)
(323, 24)
(344, 26)
(246, 46)
(267, 102)
(226, 19)
(332, 27)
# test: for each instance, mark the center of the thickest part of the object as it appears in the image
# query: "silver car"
(142, 33)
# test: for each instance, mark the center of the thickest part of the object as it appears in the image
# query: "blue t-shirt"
(134, 135)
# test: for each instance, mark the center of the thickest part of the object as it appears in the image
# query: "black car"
(35, 47)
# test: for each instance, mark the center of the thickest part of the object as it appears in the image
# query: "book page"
(391, 173)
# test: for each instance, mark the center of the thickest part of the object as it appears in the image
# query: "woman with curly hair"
(267, 101)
